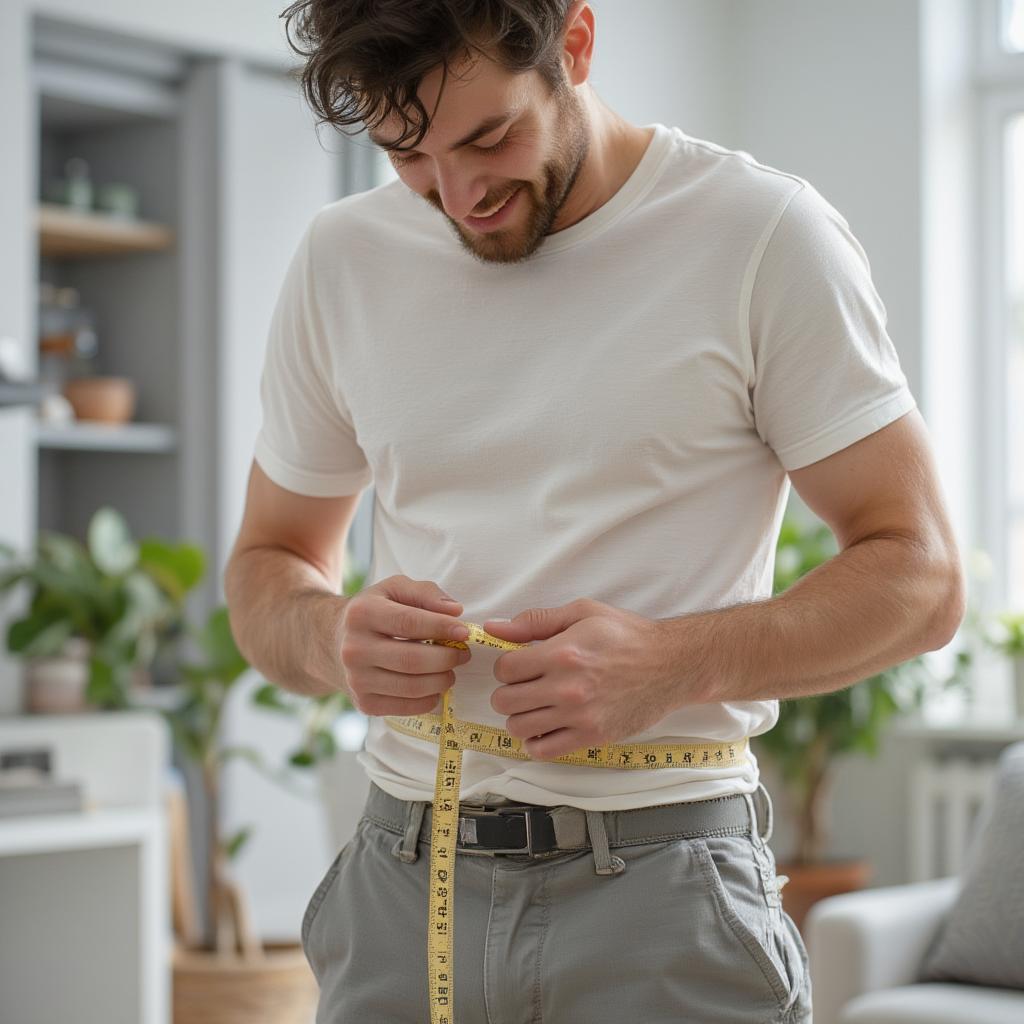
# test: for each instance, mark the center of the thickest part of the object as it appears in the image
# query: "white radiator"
(946, 797)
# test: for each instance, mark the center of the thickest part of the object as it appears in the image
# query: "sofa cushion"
(981, 940)
(936, 1004)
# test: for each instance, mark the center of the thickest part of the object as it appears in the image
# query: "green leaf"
(110, 542)
(324, 744)
(302, 759)
(40, 635)
(269, 696)
(177, 568)
(237, 841)
(218, 642)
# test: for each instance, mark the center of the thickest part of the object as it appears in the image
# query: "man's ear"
(578, 45)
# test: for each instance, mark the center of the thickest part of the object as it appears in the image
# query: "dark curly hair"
(365, 59)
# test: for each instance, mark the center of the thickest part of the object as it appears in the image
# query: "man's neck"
(616, 147)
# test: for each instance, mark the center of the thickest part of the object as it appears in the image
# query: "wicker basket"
(214, 988)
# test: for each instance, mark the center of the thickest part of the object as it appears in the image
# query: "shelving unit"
(122, 115)
(152, 438)
(69, 234)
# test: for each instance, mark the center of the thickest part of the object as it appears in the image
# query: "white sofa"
(865, 949)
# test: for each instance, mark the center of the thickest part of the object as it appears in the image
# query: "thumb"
(534, 624)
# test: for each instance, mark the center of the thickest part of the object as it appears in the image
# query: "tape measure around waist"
(453, 735)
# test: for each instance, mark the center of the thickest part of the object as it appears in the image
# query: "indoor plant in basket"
(100, 612)
(813, 730)
(229, 975)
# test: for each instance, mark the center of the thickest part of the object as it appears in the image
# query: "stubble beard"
(559, 173)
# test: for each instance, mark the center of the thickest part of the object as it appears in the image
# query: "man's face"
(500, 189)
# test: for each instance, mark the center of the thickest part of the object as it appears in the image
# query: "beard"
(544, 199)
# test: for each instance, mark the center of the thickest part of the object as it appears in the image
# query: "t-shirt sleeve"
(826, 373)
(306, 442)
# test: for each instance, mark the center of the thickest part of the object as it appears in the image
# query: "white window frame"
(999, 83)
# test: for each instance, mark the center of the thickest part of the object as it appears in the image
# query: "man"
(580, 361)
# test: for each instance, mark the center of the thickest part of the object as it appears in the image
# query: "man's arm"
(283, 583)
(895, 590)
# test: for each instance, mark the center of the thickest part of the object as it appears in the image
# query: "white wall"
(249, 28)
(670, 61)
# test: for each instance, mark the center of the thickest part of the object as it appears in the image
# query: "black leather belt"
(511, 828)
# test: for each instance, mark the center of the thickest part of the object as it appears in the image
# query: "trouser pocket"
(741, 879)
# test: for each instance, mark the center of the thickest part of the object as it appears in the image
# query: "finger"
(379, 704)
(397, 684)
(413, 658)
(517, 698)
(392, 619)
(553, 744)
(534, 723)
(521, 666)
(539, 623)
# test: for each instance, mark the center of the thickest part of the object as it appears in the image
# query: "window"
(1000, 395)
(1014, 350)
(1013, 25)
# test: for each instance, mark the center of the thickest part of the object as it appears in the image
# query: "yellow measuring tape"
(453, 735)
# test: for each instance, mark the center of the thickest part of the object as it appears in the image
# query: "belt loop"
(604, 862)
(769, 812)
(406, 849)
(755, 824)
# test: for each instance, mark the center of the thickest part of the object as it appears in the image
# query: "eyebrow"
(484, 128)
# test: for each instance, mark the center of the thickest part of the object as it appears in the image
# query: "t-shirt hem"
(845, 433)
(519, 790)
(306, 482)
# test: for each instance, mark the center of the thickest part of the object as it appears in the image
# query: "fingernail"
(450, 600)
(459, 632)
(499, 620)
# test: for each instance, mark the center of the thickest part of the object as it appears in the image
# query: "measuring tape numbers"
(453, 735)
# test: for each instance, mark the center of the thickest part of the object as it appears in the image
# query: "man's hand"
(598, 675)
(386, 673)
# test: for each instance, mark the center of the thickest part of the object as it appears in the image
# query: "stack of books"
(29, 789)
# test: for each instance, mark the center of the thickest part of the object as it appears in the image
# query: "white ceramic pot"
(57, 685)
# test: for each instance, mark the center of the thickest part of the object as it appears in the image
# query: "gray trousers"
(662, 929)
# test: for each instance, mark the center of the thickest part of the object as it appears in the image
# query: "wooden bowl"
(104, 399)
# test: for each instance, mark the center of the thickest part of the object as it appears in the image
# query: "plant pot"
(225, 988)
(103, 399)
(57, 685)
(809, 883)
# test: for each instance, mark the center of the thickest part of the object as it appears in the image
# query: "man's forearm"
(876, 604)
(286, 619)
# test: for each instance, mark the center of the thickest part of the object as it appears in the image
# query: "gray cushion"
(982, 939)
(935, 1004)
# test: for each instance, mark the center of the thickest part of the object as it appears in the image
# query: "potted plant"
(1005, 633)
(813, 731)
(229, 974)
(99, 614)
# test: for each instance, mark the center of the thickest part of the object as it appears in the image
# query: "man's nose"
(460, 195)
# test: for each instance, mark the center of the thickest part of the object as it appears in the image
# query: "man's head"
(474, 100)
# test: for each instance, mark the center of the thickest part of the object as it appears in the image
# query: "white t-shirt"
(611, 418)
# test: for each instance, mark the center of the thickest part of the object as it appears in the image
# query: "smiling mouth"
(492, 212)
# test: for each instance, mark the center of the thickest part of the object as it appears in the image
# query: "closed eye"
(497, 147)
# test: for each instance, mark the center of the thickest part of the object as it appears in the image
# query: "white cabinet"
(84, 933)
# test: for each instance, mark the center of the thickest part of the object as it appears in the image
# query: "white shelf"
(76, 830)
(104, 437)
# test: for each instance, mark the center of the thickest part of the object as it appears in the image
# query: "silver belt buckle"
(467, 829)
